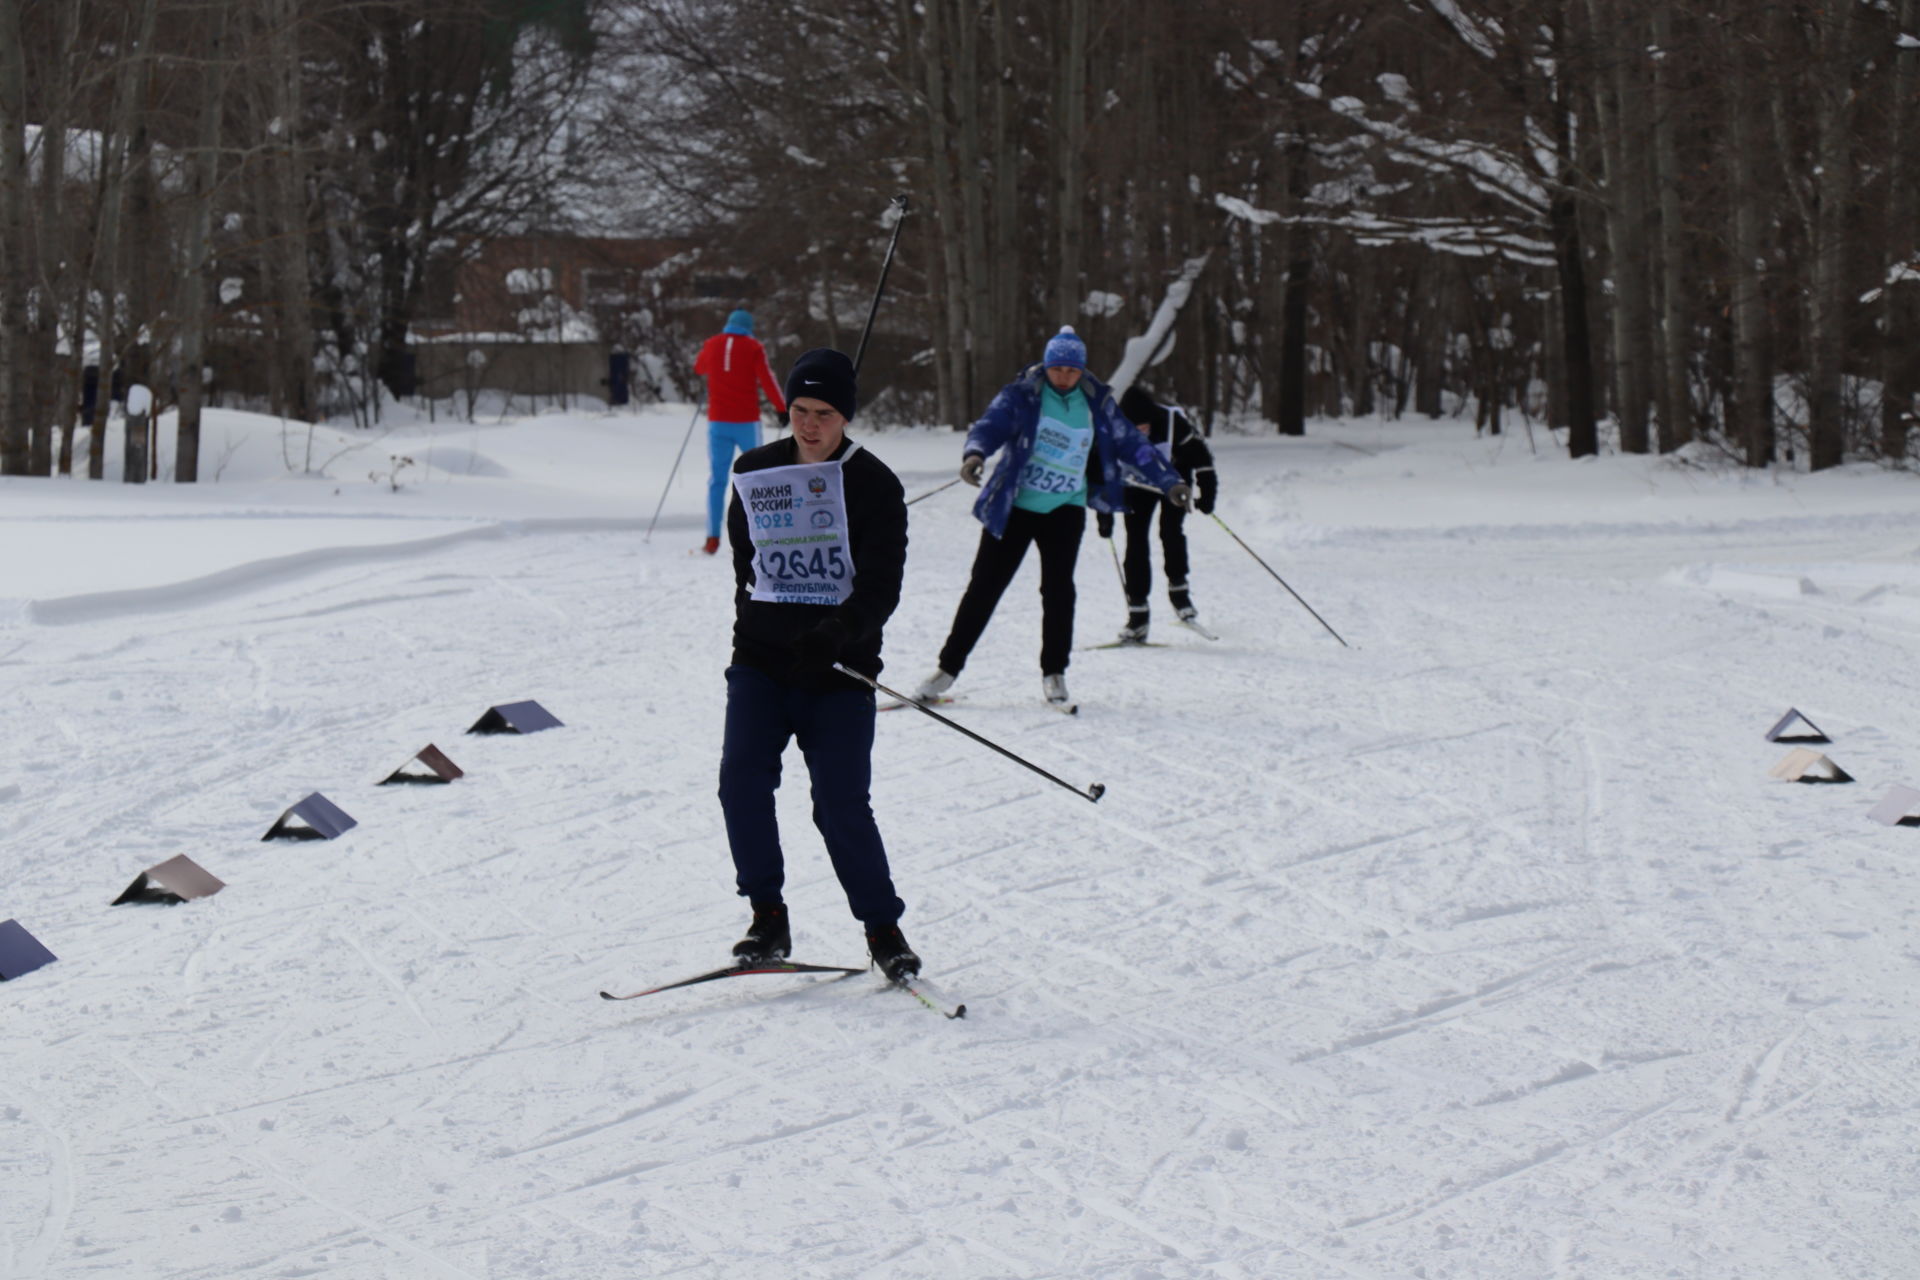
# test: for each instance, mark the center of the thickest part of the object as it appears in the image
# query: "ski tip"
(1094, 792)
(608, 995)
(959, 1012)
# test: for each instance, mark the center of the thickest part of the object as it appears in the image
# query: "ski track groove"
(235, 1151)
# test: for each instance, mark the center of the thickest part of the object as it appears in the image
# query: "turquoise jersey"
(1056, 474)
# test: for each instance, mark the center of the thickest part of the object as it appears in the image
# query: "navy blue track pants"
(835, 731)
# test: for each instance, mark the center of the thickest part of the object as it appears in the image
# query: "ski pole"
(929, 493)
(1121, 572)
(899, 202)
(676, 468)
(1092, 793)
(1277, 578)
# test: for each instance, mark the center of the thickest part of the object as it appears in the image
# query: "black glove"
(970, 468)
(1205, 505)
(815, 651)
(1181, 496)
(1103, 522)
(783, 416)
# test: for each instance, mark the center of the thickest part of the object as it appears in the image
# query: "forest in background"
(1635, 223)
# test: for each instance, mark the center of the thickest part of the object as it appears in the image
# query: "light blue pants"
(722, 439)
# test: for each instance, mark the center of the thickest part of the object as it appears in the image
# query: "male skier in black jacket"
(818, 531)
(1181, 443)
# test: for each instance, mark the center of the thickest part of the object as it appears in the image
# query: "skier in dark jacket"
(1180, 442)
(1064, 446)
(818, 531)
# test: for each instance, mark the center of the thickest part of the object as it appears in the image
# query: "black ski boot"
(1135, 632)
(889, 949)
(768, 937)
(1182, 602)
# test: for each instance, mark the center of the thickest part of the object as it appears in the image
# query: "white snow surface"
(1482, 949)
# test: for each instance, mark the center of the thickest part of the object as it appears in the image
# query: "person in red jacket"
(735, 366)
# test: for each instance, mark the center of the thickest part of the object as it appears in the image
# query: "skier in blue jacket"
(1064, 445)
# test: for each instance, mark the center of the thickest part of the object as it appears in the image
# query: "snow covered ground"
(1483, 949)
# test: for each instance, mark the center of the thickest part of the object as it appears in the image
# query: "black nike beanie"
(824, 374)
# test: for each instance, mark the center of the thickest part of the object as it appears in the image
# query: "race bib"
(797, 518)
(1059, 461)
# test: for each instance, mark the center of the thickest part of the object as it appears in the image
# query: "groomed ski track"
(1483, 950)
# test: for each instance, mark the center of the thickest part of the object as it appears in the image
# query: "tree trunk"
(16, 454)
(193, 267)
(1899, 353)
(1676, 402)
(978, 292)
(143, 318)
(53, 399)
(1620, 107)
(1751, 418)
(280, 203)
(1827, 309)
(1068, 131)
(1563, 216)
(1009, 322)
(951, 335)
(1290, 414)
(107, 252)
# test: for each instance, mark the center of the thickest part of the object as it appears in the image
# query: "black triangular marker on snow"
(441, 769)
(20, 951)
(515, 717)
(1779, 731)
(319, 819)
(178, 879)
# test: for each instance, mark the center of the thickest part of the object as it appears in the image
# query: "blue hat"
(824, 374)
(740, 322)
(1065, 348)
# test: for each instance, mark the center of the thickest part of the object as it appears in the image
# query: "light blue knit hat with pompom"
(1065, 349)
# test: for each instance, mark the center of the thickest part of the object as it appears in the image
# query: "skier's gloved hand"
(970, 468)
(815, 651)
(1181, 496)
(783, 415)
(1205, 504)
(1103, 522)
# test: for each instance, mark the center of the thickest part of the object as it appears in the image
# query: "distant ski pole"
(900, 203)
(929, 493)
(697, 405)
(1092, 793)
(1277, 578)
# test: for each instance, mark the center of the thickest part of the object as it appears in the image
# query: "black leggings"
(1173, 544)
(1057, 534)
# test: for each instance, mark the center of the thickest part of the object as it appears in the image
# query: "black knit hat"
(824, 374)
(1137, 405)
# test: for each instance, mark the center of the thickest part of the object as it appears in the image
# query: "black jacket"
(763, 633)
(1191, 457)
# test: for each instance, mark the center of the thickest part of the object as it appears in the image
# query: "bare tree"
(15, 453)
(204, 171)
(1832, 165)
(1899, 316)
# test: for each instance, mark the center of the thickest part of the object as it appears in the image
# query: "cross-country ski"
(733, 971)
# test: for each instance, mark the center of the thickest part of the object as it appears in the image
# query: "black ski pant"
(1057, 536)
(834, 728)
(1141, 505)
